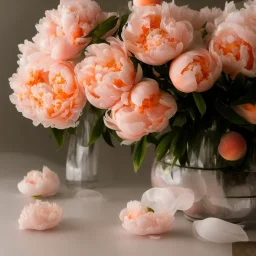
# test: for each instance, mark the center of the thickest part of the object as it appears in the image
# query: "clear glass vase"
(220, 191)
(81, 164)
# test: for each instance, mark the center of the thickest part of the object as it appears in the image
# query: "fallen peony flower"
(40, 216)
(36, 183)
(154, 215)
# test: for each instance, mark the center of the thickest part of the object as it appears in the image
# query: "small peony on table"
(89, 227)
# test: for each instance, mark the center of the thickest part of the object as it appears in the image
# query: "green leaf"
(107, 137)
(174, 141)
(192, 113)
(164, 145)
(58, 135)
(123, 21)
(104, 27)
(97, 130)
(152, 139)
(133, 146)
(229, 114)
(150, 209)
(200, 103)
(72, 131)
(37, 197)
(140, 153)
(204, 25)
(181, 145)
(180, 120)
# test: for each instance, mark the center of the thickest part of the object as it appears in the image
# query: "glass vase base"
(81, 184)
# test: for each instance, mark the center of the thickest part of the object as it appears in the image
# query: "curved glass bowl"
(228, 195)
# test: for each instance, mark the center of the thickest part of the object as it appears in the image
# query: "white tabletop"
(90, 228)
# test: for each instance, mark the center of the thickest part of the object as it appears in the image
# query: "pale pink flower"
(235, 44)
(154, 37)
(40, 216)
(143, 110)
(196, 18)
(138, 220)
(195, 71)
(45, 90)
(247, 111)
(62, 32)
(138, 3)
(36, 183)
(106, 73)
(154, 214)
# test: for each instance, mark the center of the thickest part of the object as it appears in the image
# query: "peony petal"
(184, 199)
(158, 198)
(218, 231)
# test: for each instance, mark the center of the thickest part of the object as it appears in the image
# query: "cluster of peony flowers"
(67, 64)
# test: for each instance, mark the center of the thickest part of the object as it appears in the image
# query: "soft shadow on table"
(177, 234)
(68, 225)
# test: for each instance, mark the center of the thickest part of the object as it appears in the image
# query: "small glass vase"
(81, 164)
(220, 191)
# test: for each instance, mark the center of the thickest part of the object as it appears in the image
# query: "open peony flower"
(235, 44)
(40, 216)
(36, 183)
(143, 110)
(62, 32)
(142, 221)
(247, 111)
(146, 2)
(45, 90)
(195, 71)
(106, 73)
(154, 37)
(154, 215)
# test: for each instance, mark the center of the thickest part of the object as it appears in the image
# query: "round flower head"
(40, 216)
(36, 183)
(45, 90)
(154, 37)
(145, 109)
(62, 32)
(195, 71)
(106, 73)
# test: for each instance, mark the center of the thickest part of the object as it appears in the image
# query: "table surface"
(89, 227)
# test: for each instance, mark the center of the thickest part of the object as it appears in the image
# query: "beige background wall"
(17, 134)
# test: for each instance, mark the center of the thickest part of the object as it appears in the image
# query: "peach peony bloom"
(36, 183)
(232, 146)
(138, 220)
(143, 110)
(247, 111)
(154, 214)
(235, 44)
(154, 37)
(195, 71)
(62, 32)
(196, 18)
(106, 73)
(45, 90)
(146, 2)
(40, 216)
